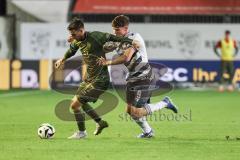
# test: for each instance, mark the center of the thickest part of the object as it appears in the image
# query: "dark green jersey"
(92, 49)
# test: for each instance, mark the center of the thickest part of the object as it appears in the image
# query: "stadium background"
(178, 33)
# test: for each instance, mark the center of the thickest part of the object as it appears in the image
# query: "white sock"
(142, 122)
(155, 107)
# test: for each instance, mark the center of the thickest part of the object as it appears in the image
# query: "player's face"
(120, 31)
(227, 35)
(78, 34)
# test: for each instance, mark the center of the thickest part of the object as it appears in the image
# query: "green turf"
(196, 136)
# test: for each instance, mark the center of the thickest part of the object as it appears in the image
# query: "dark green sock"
(80, 118)
(91, 112)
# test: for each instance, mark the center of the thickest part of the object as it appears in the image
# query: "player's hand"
(59, 64)
(102, 61)
(70, 39)
(110, 46)
(136, 44)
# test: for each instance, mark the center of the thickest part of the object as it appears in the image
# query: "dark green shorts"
(227, 67)
(90, 91)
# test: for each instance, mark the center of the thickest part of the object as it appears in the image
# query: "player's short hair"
(227, 32)
(75, 24)
(120, 21)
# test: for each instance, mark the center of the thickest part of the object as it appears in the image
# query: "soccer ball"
(46, 131)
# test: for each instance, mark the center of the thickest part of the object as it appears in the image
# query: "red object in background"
(158, 6)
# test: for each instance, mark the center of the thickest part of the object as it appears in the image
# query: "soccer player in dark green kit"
(95, 78)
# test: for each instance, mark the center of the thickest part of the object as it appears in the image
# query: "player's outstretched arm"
(135, 43)
(70, 52)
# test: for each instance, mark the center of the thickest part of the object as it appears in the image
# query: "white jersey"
(138, 66)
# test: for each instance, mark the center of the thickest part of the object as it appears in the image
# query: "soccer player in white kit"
(140, 76)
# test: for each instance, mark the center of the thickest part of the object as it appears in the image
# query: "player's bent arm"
(218, 45)
(236, 50)
(122, 58)
(61, 61)
(216, 51)
(69, 54)
(72, 50)
(129, 53)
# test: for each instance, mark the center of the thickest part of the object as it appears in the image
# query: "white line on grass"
(20, 93)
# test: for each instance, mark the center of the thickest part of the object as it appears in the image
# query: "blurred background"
(181, 34)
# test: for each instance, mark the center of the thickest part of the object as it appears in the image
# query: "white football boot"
(78, 135)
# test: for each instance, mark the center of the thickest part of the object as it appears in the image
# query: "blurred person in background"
(228, 50)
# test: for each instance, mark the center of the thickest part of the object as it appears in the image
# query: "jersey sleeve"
(142, 49)
(111, 37)
(139, 38)
(72, 50)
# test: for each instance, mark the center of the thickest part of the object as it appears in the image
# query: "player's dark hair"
(120, 21)
(227, 32)
(75, 24)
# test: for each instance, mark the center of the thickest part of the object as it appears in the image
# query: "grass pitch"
(198, 132)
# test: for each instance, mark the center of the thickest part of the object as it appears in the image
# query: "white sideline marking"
(23, 93)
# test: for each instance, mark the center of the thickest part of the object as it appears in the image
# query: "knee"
(128, 109)
(75, 104)
(135, 112)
